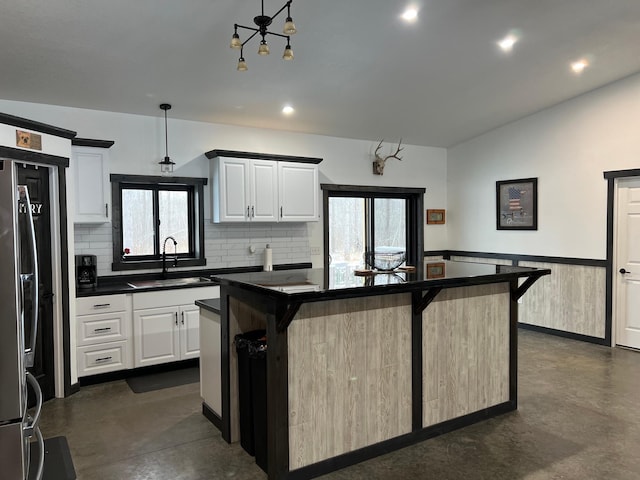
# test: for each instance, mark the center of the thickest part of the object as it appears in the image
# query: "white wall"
(568, 147)
(139, 145)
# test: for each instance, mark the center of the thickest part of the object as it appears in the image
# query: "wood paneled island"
(361, 365)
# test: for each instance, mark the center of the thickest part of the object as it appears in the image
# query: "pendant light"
(166, 165)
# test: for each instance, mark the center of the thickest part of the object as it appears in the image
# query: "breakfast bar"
(358, 365)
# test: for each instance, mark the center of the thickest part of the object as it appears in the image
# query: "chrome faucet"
(164, 255)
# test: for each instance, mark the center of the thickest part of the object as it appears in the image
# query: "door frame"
(57, 192)
(613, 178)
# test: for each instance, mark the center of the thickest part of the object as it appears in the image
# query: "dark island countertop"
(308, 285)
(211, 304)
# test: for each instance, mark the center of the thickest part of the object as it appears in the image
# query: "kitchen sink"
(169, 282)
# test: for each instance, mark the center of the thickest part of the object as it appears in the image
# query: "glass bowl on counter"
(385, 258)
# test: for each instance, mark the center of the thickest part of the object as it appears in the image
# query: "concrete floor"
(578, 418)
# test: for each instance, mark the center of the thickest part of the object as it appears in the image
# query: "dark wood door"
(37, 181)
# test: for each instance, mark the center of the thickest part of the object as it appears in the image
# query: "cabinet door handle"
(248, 212)
(102, 305)
(176, 319)
(252, 214)
(100, 330)
(182, 318)
(106, 210)
(280, 212)
(103, 359)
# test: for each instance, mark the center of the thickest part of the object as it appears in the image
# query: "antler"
(378, 148)
(395, 155)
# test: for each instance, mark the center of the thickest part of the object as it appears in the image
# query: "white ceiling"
(359, 70)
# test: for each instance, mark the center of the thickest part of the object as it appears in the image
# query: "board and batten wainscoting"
(571, 302)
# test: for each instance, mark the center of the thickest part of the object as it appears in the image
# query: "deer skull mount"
(378, 163)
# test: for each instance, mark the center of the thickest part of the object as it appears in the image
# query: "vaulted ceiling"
(360, 70)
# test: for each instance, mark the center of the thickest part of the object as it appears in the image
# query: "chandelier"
(263, 22)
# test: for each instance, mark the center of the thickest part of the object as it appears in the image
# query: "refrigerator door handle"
(33, 278)
(41, 453)
(30, 425)
(33, 421)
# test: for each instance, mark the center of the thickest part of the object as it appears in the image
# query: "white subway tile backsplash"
(226, 245)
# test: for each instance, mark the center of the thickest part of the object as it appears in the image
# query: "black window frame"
(195, 189)
(414, 198)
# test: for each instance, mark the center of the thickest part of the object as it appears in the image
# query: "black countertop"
(115, 284)
(211, 304)
(341, 282)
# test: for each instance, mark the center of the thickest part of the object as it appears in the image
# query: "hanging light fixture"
(263, 22)
(166, 165)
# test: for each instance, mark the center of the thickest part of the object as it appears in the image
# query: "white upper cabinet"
(244, 190)
(298, 192)
(91, 186)
(250, 188)
(230, 189)
(264, 187)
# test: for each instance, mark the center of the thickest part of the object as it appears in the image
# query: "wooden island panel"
(349, 376)
(465, 351)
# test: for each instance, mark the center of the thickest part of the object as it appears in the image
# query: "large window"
(154, 213)
(365, 219)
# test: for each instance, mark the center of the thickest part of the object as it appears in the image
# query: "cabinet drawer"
(101, 304)
(103, 358)
(104, 327)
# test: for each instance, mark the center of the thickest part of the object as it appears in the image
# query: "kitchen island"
(360, 365)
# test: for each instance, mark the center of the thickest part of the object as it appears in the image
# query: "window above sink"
(149, 209)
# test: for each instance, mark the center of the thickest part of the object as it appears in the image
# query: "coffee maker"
(86, 271)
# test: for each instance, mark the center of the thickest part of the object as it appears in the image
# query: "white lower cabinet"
(190, 332)
(123, 331)
(166, 325)
(105, 358)
(103, 333)
(166, 334)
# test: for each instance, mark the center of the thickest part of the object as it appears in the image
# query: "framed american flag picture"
(517, 204)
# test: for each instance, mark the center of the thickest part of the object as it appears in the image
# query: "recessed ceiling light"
(579, 66)
(287, 110)
(410, 14)
(507, 43)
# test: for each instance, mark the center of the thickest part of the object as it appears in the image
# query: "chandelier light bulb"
(288, 53)
(235, 41)
(289, 27)
(242, 65)
(263, 49)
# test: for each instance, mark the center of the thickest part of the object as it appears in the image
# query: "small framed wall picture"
(435, 217)
(435, 270)
(517, 204)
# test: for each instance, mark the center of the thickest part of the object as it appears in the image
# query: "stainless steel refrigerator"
(19, 431)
